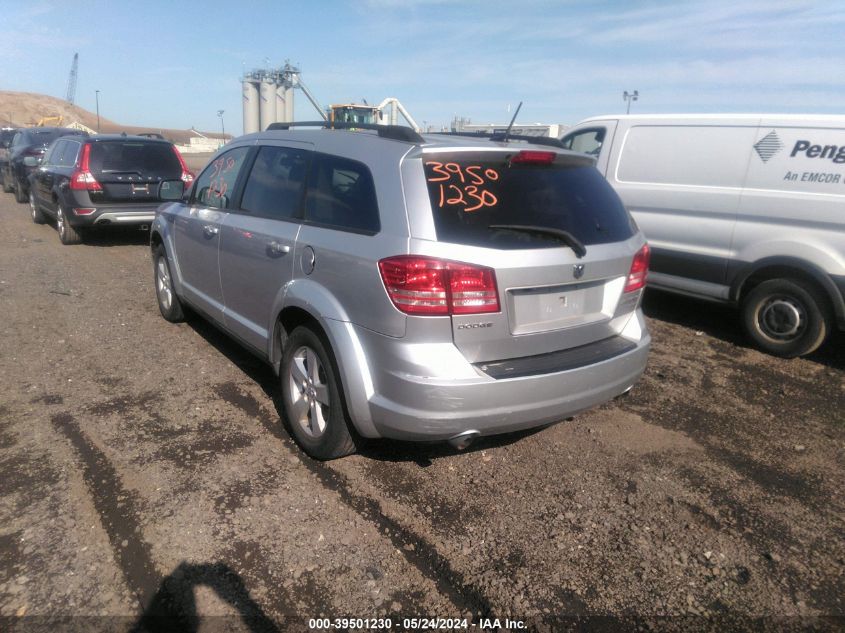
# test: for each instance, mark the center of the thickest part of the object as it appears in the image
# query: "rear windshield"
(41, 137)
(470, 193)
(139, 157)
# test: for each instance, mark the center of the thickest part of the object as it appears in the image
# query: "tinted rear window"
(41, 137)
(157, 159)
(469, 193)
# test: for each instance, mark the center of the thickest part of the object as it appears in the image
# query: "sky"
(175, 63)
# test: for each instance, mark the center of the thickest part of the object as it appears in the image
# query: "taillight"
(82, 179)
(533, 157)
(187, 176)
(639, 270)
(429, 286)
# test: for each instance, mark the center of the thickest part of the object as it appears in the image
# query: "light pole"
(222, 127)
(629, 97)
(97, 96)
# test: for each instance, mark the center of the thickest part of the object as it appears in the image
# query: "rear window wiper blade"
(565, 236)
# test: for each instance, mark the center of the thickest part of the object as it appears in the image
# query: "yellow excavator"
(387, 111)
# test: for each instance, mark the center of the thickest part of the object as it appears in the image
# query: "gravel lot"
(145, 473)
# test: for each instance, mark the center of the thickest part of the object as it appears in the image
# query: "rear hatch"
(131, 170)
(557, 237)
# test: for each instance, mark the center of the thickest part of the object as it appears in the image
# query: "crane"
(71, 80)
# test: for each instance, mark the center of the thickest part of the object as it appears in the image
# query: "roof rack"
(500, 136)
(395, 132)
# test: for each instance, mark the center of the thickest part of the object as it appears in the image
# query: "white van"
(746, 209)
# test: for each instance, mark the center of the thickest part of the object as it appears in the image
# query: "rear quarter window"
(341, 195)
(469, 194)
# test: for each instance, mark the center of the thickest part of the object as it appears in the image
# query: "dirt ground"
(145, 474)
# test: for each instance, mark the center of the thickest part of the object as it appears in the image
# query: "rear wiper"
(565, 236)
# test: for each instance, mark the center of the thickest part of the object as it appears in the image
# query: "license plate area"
(140, 188)
(555, 307)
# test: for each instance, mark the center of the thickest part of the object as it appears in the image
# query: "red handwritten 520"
(463, 186)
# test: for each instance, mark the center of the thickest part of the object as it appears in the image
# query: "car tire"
(37, 214)
(7, 188)
(786, 317)
(68, 235)
(168, 303)
(20, 194)
(312, 399)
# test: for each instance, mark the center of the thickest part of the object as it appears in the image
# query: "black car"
(29, 142)
(103, 180)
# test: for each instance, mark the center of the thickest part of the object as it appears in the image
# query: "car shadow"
(722, 321)
(421, 453)
(173, 607)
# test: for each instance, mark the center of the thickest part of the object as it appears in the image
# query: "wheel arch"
(789, 267)
(346, 351)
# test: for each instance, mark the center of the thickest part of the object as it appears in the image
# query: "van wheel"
(168, 303)
(786, 317)
(7, 188)
(311, 397)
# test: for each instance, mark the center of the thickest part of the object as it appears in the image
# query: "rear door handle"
(274, 248)
(209, 231)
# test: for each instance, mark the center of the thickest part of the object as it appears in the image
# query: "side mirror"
(171, 190)
(31, 161)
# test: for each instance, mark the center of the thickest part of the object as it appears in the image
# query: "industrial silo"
(281, 108)
(289, 103)
(267, 97)
(250, 104)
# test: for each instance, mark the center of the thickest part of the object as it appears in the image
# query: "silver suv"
(413, 287)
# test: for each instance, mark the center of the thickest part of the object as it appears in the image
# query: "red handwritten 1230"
(463, 185)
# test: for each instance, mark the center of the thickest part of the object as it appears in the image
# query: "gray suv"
(412, 287)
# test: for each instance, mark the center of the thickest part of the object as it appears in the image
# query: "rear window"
(470, 193)
(139, 157)
(42, 137)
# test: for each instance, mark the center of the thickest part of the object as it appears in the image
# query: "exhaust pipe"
(462, 440)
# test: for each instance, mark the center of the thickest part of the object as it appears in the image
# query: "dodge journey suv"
(412, 287)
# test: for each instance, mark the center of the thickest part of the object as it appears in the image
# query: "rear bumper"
(116, 215)
(430, 392)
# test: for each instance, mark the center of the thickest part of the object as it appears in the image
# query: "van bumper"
(430, 392)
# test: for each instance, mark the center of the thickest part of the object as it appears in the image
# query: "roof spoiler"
(500, 137)
(395, 132)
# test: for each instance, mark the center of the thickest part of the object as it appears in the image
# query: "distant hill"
(24, 109)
